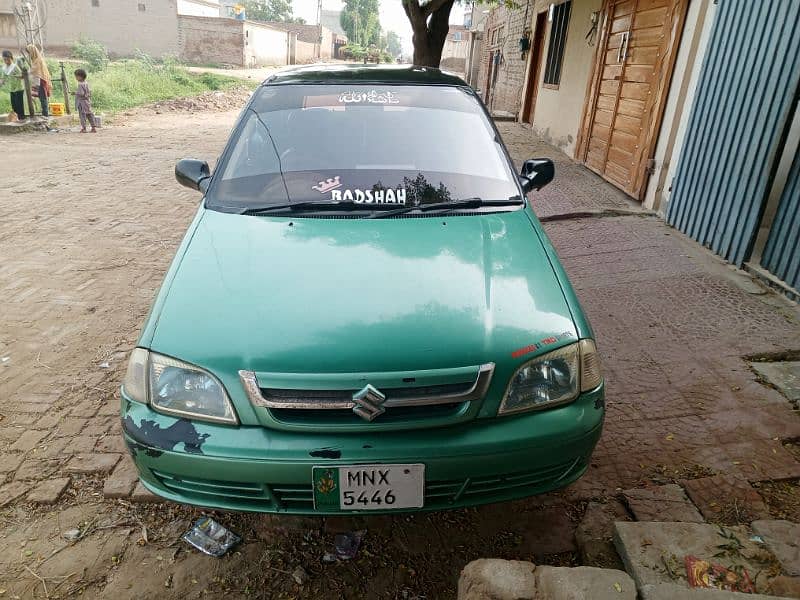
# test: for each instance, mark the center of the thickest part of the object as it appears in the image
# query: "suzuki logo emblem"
(369, 403)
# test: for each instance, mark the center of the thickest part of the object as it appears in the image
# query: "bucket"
(57, 109)
(98, 121)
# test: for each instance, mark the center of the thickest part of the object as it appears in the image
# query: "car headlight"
(174, 387)
(553, 378)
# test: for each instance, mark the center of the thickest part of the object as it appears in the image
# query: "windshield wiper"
(444, 207)
(300, 206)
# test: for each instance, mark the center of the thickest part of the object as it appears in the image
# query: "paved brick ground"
(85, 243)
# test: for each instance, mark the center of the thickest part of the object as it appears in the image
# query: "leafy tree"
(360, 22)
(430, 21)
(393, 44)
(269, 10)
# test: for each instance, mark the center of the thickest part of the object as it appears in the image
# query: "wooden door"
(633, 68)
(535, 68)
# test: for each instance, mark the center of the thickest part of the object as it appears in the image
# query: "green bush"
(91, 52)
(128, 83)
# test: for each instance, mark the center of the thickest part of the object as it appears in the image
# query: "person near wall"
(11, 82)
(40, 77)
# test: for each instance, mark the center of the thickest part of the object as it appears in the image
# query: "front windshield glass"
(382, 146)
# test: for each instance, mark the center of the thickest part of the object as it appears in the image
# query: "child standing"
(11, 80)
(83, 101)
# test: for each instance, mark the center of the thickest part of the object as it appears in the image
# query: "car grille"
(397, 415)
(300, 497)
(430, 400)
(331, 396)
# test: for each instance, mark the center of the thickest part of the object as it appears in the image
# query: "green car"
(365, 314)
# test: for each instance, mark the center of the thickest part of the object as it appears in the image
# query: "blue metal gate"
(743, 103)
(782, 253)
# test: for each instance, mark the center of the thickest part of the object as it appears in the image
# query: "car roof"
(357, 73)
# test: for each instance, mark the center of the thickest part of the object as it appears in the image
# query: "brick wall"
(211, 40)
(504, 27)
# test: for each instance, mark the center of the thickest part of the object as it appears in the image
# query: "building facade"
(664, 99)
(150, 26)
(456, 48)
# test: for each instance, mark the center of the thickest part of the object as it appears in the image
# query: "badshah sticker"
(371, 97)
(359, 196)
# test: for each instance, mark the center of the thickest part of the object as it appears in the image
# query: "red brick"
(122, 481)
(92, 463)
(49, 491)
(12, 491)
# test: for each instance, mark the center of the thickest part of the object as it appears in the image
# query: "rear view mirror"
(536, 173)
(193, 174)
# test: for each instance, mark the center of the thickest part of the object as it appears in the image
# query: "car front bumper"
(254, 468)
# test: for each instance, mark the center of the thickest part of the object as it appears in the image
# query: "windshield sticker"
(541, 344)
(371, 97)
(373, 196)
(327, 185)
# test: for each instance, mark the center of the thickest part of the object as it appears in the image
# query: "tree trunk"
(430, 34)
(426, 52)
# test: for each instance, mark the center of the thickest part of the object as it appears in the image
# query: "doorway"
(534, 68)
(634, 63)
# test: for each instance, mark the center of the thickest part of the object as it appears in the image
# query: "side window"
(559, 22)
(253, 153)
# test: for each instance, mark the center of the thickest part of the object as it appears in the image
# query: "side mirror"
(193, 174)
(536, 173)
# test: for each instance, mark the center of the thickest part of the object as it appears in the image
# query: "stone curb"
(496, 579)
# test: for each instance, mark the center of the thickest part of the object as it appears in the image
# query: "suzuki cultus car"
(364, 314)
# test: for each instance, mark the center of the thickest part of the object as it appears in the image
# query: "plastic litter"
(210, 537)
(105, 365)
(72, 534)
(705, 574)
(300, 576)
(346, 545)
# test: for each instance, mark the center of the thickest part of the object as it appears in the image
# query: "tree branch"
(415, 15)
(432, 7)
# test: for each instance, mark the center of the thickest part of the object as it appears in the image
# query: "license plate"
(369, 487)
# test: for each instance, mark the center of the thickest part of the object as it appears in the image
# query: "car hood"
(339, 295)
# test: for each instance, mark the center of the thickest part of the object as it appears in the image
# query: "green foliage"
(270, 10)
(393, 44)
(360, 22)
(91, 52)
(357, 52)
(128, 83)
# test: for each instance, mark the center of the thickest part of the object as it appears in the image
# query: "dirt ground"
(88, 226)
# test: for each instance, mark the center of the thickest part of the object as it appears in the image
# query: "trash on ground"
(757, 539)
(705, 574)
(105, 365)
(5, 359)
(300, 575)
(210, 537)
(72, 534)
(346, 545)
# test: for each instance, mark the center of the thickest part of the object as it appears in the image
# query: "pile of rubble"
(221, 101)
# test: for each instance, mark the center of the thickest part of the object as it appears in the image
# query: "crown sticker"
(327, 185)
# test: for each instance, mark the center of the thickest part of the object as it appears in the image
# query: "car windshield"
(383, 146)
